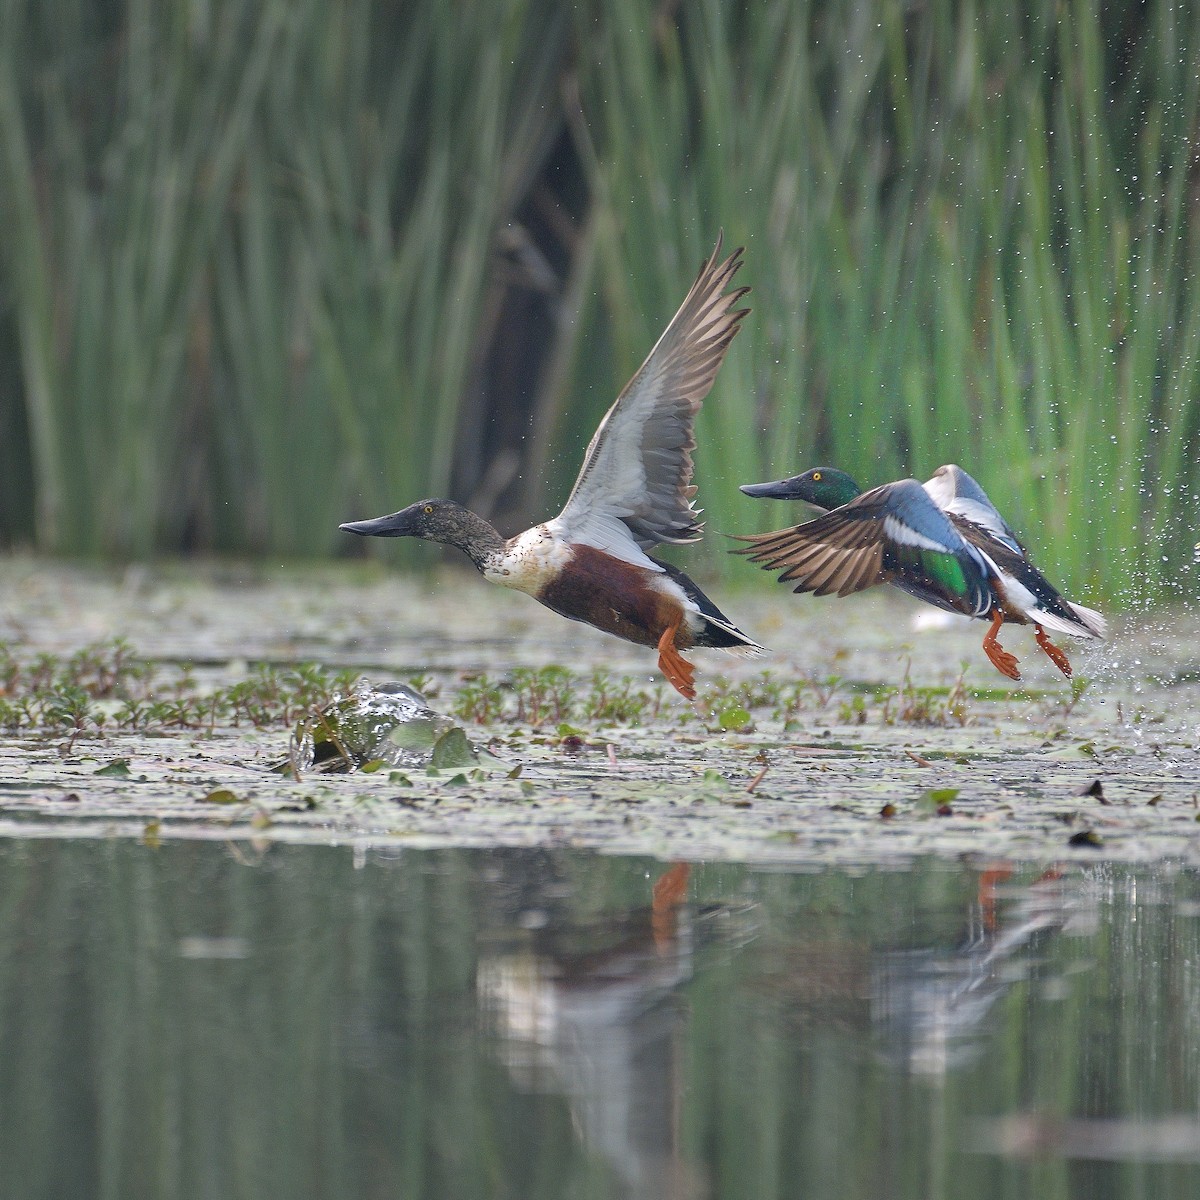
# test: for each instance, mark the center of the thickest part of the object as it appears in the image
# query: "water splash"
(391, 724)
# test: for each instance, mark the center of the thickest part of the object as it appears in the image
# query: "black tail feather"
(720, 632)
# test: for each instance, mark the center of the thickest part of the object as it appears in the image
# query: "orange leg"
(993, 874)
(673, 665)
(670, 891)
(1004, 662)
(1053, 653)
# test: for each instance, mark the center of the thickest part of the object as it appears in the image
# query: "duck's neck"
(478, 540)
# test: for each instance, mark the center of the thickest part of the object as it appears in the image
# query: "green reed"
(968, 242)
(250, 248)
(254, 258)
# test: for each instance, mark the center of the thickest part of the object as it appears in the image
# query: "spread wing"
(637, 473)
(891, 534)
(955, 492)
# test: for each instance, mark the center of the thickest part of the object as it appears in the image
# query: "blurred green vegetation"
(271, 266)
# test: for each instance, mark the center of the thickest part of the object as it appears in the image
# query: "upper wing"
(891, 533)
(954, 491)
(638, 466)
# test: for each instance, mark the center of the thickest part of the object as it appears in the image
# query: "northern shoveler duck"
(590, 563)
(942, 541)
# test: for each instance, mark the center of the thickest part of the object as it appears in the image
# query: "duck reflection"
(591, 1011)
(594, 1010)
(928, 1007)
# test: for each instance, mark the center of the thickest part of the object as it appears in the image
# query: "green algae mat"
(162, 703)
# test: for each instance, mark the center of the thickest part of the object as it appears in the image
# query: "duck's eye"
(429, 508)
(816, 479)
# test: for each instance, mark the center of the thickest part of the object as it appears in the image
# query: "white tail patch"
(1091, 618)
(1090, 624)
(747, 650)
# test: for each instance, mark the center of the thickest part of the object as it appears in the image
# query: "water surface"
(206, 1020)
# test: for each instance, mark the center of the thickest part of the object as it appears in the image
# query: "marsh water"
(834, 951)
(199, 1020)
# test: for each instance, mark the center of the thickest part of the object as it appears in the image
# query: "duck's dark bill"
(781, 489)
(395, 525)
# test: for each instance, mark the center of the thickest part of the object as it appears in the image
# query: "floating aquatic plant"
(107, 688)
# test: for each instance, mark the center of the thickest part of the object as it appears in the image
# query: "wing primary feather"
(638, 465)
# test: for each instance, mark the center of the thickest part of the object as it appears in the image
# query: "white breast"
(528, 561)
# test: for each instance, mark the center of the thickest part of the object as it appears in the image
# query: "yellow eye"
(816, 478)
(429, 508)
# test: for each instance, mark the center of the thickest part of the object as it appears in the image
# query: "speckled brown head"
(436, 521)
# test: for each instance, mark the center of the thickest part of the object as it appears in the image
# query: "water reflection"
(189, 1021)
(930, 1005)
(590, 1011)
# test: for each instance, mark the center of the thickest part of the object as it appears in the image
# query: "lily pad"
(935, 798)
(734, 718)
(118, 768)
(221, 796)
(452, 751)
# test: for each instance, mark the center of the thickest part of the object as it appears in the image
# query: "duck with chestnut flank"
(591, 562)
(942, 541)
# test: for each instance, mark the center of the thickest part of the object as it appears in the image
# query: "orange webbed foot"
(1053, 653)
(1000, 658)
(679, 672)
(1004, 662)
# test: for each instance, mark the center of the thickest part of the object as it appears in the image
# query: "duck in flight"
(942, 541)
(591, 562)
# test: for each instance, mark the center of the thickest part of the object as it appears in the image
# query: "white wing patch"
(638, 465)
(940, 489)
(905, 535)
(601, 530)
(982, 515)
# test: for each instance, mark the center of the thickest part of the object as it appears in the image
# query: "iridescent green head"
(822, 487)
